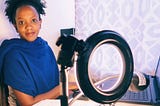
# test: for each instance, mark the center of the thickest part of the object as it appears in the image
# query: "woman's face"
(28, 22)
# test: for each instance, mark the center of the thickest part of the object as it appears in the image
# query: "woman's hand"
(72, 86)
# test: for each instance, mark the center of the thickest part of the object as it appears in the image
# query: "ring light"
(110, 85)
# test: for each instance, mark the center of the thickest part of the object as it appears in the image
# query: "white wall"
(60, 14)
(6, 29)
(136, 20)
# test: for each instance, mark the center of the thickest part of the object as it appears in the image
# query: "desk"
(84, 103)
(92, 103)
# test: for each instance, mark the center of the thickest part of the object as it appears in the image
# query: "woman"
(28, 64)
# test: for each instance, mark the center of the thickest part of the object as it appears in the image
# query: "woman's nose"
(28, 26)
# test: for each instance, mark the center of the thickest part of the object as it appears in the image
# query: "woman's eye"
(34, 20)
(21, 22)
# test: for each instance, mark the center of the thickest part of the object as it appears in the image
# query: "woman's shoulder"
(7, 48)
(13, 54)
(10, 42)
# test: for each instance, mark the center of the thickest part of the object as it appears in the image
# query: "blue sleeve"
(32, 70)
(15, 73)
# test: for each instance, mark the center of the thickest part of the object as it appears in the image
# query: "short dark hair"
(12, 5)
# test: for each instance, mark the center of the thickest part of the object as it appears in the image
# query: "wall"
(59, 14)
(6, 29)
(136, 20)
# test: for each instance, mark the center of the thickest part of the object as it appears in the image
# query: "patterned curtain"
(136, 20)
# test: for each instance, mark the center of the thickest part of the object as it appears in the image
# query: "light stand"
(69, 45)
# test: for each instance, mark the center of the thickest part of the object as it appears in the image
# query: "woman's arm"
(28, 100)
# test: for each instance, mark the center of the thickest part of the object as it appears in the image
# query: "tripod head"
(69, 45)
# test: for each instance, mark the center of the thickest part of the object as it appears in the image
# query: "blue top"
(29, 67)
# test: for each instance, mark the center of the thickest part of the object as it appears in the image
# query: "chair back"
(3, 93)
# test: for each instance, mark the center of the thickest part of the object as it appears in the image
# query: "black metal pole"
(64, 97)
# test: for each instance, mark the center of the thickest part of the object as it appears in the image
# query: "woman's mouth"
(30, 34)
